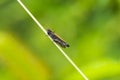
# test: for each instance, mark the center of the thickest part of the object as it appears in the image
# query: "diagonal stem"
(41, 27)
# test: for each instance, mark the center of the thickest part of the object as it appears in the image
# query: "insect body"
(57, 39)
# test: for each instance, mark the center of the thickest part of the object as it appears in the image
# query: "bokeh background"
(91, 27)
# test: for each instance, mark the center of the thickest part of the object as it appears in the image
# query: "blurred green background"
(91, 27)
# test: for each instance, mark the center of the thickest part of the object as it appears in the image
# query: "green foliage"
(91, 27)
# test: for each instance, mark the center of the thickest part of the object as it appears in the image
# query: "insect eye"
(49, 31)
